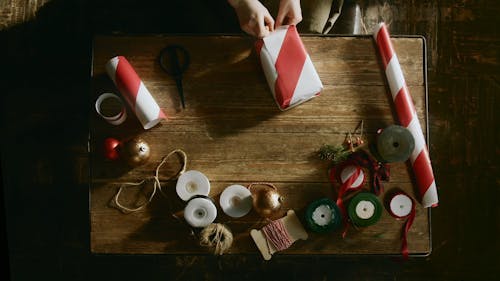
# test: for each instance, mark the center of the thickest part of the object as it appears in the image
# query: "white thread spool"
(348, 171)
(236, 201)
(200, 212)
(192, 183)
(401, 205)
(116, 119)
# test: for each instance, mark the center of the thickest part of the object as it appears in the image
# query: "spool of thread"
(113, 110)
(364, 209)
(192, 183)
(323, 216)
(200, 211)
(217, 237)
(394, 144)
(236, 201)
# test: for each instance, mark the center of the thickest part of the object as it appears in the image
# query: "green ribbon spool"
(323, 216)
(395, 144)
(364, 209)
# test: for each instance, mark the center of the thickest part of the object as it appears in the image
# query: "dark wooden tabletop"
(45, 51)
(232, 130)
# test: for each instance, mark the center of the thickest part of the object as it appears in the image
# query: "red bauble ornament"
(111, 147)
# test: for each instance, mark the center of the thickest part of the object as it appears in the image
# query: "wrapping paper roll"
(135, 92)
(408, 118)
(288, 68)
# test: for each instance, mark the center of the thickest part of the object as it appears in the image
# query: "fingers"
(289, 13)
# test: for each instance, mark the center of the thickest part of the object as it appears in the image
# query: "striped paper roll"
(288, 68)
(134, 91)
(408, 118)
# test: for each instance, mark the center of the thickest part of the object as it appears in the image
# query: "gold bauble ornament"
(266, 199)
(135, 151)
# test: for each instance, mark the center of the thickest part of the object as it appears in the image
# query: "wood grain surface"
(233, 131)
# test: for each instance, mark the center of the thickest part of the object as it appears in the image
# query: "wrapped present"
(288, 68)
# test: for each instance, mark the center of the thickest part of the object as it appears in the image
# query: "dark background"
(45, 51)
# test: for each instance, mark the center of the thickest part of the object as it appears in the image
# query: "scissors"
(174, 60)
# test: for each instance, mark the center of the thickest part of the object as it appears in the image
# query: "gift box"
(288, 68)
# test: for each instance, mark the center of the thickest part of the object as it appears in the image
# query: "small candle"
(236, 201)
(200, 212)
(192, 183)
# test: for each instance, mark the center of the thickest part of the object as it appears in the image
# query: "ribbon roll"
(408, 118)
(364, 209)
(192, 183)
(134, 91)
(236, 201)
(288, 68)
(113, 119)
(401, 206)
(200, 211)
(323, 216)
(394, 144)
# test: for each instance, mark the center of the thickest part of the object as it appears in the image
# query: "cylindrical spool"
(135, 92)
(364, 209)
(200, 211)
(400, 205)
(236, 201)
(347, 171)
(191, 183)
(395, 144)
(323, 216)
(114, 113)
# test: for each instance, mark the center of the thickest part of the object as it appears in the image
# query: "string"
(156, 183)
(277, 235)
(218, 237)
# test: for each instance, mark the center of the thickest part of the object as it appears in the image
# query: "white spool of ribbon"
(115, 119)
(401, 205)
(192, 183)
(200, 211)
(236, 201)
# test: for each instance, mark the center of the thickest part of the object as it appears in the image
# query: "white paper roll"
(401, 205)
(236, 201)
(348, 171)
(200, 212)
(192, 183)
(365, 209)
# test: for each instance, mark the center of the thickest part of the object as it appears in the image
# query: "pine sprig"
(336, 153)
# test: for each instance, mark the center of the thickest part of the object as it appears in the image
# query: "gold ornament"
(266, 199)
(135, 151)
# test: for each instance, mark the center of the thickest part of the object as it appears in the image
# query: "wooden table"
(233, 132)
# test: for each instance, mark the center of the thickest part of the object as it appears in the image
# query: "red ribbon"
(380, 172)
(406, 226)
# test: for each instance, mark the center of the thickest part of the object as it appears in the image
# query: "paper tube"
(288, 68)
(134, 91)
(407, 116)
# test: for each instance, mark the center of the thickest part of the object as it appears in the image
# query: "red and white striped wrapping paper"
(135, 92)
(407, 116)
(288, 68)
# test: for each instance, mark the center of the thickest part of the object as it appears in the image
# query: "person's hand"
(289, 13)
(254, 18)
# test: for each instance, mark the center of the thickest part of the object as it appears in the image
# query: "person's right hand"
(254, 18)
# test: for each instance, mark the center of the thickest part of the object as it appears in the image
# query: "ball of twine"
(217, 237)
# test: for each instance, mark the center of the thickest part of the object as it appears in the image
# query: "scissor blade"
(178, 81)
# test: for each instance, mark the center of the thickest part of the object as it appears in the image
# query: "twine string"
(277, 235)
(156, 184)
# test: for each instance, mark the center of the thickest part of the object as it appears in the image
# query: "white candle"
(236, 201)
(200, 212)
(192, 183)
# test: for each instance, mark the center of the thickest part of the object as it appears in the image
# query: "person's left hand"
(289, 13)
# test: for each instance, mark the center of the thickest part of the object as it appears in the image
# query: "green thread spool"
(364, 209)
(323, 216)
(395, 144)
